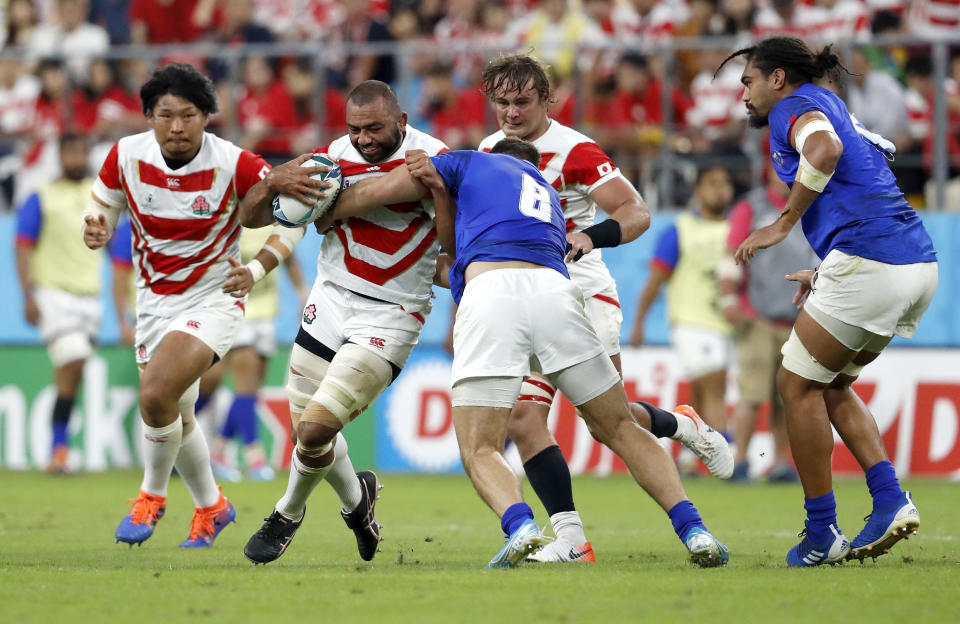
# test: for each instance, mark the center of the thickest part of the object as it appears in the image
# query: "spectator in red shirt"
(104, 109)
(306, 130)
(456, 116)
(164, 21)
(635, 121)
(265, 110)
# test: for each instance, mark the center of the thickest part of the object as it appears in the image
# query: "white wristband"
(729, 300)
(256, 269)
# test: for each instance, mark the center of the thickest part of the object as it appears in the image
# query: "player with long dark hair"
(877, 277)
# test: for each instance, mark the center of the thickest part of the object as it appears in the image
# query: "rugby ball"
(291, 212)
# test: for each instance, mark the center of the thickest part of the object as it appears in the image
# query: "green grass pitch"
(58, 562)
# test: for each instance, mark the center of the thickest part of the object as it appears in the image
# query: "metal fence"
(664, 177)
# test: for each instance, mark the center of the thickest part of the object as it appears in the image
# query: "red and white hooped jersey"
(184, 221)
(390, 253)
(576, 166)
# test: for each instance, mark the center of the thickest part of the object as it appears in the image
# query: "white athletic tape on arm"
(289, 237)
(256, 269)
(94, 209)
(728, 269)
(807, 174)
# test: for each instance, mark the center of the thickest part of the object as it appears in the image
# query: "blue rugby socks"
(514, 516)
(884, 486)
(685, 517)
(821, 513)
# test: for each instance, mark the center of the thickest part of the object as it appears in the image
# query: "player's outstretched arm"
(256, 207)
(279, 246)
(396, 187)
(423, 170)
(99, 221)
(820, 148)
(629, 218)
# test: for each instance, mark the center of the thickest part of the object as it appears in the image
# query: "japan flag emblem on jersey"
(201, 206)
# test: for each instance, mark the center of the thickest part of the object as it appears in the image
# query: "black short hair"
(919, 65)
(369, 91)
(518, 148)
(800, 64)
(182, 80)
(68, 138)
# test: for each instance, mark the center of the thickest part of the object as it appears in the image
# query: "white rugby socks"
(343, 478)
(303, 479)
(160, 447)
(193, 464)
(567, 525)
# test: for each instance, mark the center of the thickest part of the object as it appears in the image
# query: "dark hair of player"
(369, 91)
(512, 72)
(68, 138)
(708, 167)
(800, 64)
(182, 80)
(518, 148)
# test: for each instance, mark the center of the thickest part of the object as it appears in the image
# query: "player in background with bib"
(363, 316)
(687, 256)
(756, 301)
(877, 277)
(180, 187)
(60, 282)
(585, 178)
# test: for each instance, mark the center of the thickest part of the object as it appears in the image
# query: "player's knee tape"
(498, 392)
(315, 451)
(69, 347)
(302, 385)
(537, 390)
(798, 360)
(852, 369)
(355, 377)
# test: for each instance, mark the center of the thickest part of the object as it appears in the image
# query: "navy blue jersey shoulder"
(505, 211)
(862, 210)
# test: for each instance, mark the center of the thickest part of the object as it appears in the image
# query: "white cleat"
(709, 445)
(564, 551)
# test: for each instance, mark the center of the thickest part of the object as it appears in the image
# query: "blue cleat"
(886, 528)
(208, 522)
(806, 553)
(526, 540)
(138, 525)
(705, 550)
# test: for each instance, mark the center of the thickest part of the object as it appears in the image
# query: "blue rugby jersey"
(862, 210)
(505, 211)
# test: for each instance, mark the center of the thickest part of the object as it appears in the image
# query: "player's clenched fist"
(421, 168)
(95, 231)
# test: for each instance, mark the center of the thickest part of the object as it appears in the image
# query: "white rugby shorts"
(261, 334)
(63, 315)
(604, 313)
(701, 350)
(334, 315)
(884, 299)
(510, 319)
(215, 325)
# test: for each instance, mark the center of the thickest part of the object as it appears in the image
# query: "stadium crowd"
(66, 66)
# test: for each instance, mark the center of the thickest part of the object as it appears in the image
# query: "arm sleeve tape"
(94, 208)
(807, 174)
